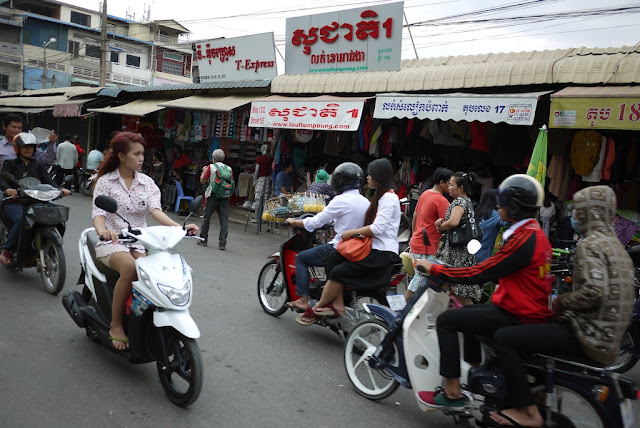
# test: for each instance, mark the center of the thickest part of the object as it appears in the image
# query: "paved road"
(259, 370)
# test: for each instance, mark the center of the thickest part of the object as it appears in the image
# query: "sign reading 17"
(499, 109)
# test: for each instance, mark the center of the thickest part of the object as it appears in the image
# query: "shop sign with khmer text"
(239, 58)
(362, 39)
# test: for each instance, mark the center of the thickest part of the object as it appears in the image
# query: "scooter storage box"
(488, 381)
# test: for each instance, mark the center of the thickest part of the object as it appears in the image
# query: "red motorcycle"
(277, 285)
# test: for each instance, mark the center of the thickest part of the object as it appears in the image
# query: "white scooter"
(157, 322)
(393, 349)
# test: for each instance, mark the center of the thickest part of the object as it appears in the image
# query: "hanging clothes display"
(584, 151)
(596, 172)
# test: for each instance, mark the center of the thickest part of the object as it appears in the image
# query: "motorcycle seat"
(92, 240)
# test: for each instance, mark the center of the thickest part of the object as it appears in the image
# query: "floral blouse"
(133, 204)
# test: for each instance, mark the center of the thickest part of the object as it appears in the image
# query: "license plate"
(627, 413)
(396, 302)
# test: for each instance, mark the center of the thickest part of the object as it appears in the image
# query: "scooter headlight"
(178, 297)
(145, 279)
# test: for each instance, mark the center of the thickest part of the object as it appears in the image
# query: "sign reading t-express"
(239, 58)
(363, 39)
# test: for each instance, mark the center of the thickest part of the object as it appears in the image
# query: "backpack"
(222, 184)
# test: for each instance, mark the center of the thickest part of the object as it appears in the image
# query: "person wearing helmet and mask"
(22, 166)
(521, 268)
(347, 211)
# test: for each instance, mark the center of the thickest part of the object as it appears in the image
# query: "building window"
(172, 67)
(74, 48)
(133, 61)
(115, 57)
(173, 56)
(92, 51)
(4, 82)
(80, 18)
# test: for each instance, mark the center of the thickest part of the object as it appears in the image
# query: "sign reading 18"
(634, 116)
(499, 109)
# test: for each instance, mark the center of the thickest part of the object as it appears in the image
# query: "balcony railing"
(163, 38)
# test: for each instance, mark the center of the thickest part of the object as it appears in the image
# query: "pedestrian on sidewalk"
(67, 156)
(216, 174)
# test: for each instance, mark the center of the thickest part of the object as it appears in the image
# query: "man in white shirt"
(347, 211)
(67, 156)
(95, 157)
(12, 126)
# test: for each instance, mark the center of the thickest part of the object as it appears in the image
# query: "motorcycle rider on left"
(119, 177)
(21, 167)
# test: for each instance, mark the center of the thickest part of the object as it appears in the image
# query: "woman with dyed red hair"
(137, 195)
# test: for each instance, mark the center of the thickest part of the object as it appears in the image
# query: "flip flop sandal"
(332, 312)
(307, 318)
(118, 339)
(488, 410)
(296, 308)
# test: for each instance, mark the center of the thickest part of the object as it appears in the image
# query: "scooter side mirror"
(8, 177)
(106, 203)
(473, 246)
(196, 204)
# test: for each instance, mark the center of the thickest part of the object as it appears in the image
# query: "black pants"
(511, 338)
(512, 342)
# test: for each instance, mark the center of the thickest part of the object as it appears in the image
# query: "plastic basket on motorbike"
(49, 214)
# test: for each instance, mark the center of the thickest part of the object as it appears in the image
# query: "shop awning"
(601, 107)
(70, 108)
(139, 107)
(514, 109)
(22, 110)
(210, 103)
(28, 104)
(324, 112)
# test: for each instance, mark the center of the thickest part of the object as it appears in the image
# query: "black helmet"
(522, 194)
(346, 176)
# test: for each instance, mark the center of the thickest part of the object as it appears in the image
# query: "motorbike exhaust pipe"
(72, 302)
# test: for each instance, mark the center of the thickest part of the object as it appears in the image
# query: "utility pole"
(44, 62)
(103, 46)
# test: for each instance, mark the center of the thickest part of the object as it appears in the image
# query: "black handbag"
(467, 230)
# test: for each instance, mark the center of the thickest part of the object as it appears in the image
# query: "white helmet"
(25, 139)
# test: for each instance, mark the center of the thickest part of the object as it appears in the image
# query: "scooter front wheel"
(54, 270)
(362, 343)
(272, 291)
(181, 378)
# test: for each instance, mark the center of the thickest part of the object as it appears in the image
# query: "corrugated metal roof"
(236, 84)
(598, 92)
(576, 65)
(44, 102)
(140, 107)
(211, 103)
(70, 92)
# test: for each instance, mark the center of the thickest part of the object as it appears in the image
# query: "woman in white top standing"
(382, 221)
(137, 195)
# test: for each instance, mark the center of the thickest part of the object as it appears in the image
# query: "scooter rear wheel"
(272, 291)
(181, 379)
(626, 359)
(54, 271)
(372, 383)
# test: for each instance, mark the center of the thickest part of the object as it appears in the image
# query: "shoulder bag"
(467, 230)
(356, 248)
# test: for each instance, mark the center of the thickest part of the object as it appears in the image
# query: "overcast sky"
(220, 18)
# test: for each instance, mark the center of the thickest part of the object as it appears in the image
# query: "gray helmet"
(522, 194)
(346, 176)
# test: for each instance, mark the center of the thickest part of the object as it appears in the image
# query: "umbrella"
(538, 163)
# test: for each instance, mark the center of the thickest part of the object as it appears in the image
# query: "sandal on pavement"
(5, 257)
(329, 311)
(307, 318)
